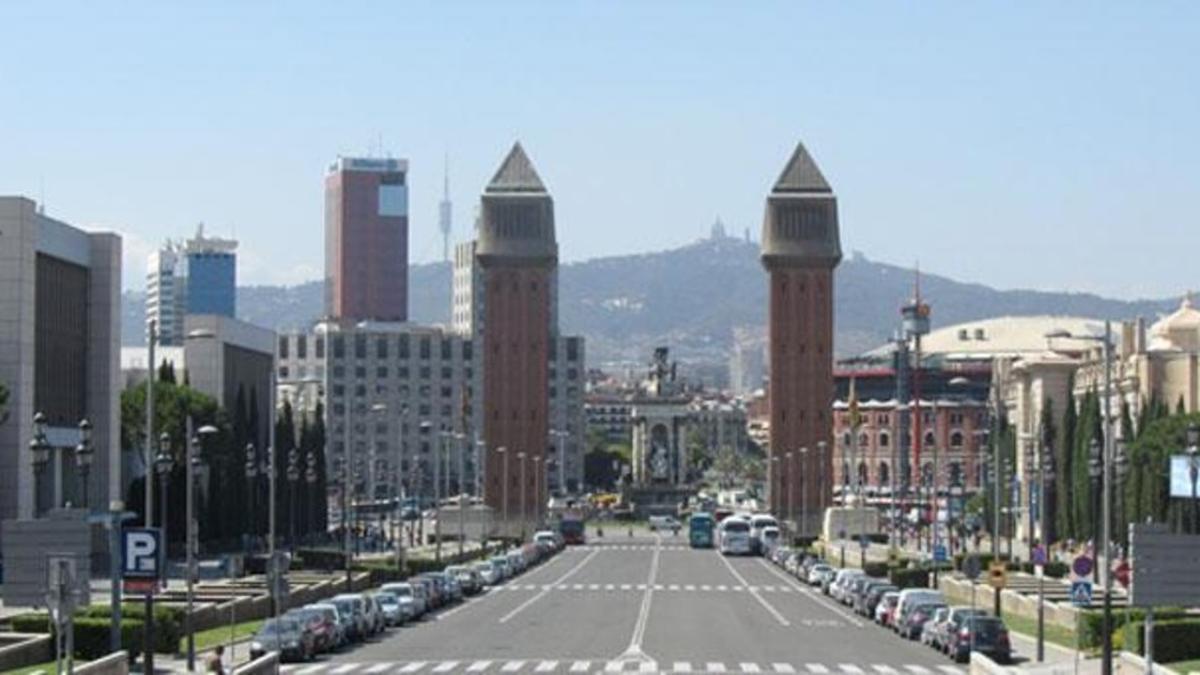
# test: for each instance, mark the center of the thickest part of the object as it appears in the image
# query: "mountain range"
(691, 298)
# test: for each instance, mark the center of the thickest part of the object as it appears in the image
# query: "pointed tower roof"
(516, 174)
(801, 174)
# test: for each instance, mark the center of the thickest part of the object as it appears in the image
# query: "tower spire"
(445, 209)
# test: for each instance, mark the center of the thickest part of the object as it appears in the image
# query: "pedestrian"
(214, 664)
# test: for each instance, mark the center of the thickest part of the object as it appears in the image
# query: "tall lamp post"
(193, 463)
(293, 478)
(251, 491)
(83, 458)
(310, 480)
(521, 459)
(537, 491)
(503, 453)
(788, 477)
(39, 448)
(1193, 452)
(164, 463)
(804, 492)
(822, 456)
(1096, 473)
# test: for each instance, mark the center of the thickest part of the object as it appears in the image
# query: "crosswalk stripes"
(614, 666)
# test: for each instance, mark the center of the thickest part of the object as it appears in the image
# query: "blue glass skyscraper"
(211, 282)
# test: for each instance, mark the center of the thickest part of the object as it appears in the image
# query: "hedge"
(93, 633)
(1174, 640)
(1091, 623)
(909, 578)
(168, 624)
(876, 569)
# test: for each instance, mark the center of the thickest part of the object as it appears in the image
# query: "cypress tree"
(1064, 477)
(1049, 439)
(320, 503)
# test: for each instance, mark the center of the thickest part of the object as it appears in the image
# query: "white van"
(757, 523)
(913, 597)
(733, 536)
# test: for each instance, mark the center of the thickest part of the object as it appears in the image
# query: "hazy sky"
(1043, 145)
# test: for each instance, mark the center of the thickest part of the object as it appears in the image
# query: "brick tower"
(518, 254)
(800, 249)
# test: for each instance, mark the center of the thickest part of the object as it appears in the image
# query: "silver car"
(412, 605)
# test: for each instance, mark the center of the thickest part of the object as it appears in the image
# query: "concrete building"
(196, 276)
(366, 239)
(399, 396)
(800, 249)
(60, 306)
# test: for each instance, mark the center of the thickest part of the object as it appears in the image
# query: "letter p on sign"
(140, 553)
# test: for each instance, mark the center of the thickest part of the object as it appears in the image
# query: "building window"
(301, 346)
(956, 419)
(283, 372)
(884, 474)
(339, 371)
(360, 346)
(425, 348)
(447, 349)
(447, 373)
(320, 347)
(425, 372)
(402, 347)
(381, 348)
(339, 346)
(930, 441)
(956, 440)
(466, 350)
(360, 372)
(381, 372)
(572, 349)
(885, 439)
(283, 346)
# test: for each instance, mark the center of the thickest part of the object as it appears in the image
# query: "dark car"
(287, 637)
(915, 621)
(947, 635)
(870, 598)
(434, 588)
(984, 634)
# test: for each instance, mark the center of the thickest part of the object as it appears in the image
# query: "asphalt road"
(641, 604)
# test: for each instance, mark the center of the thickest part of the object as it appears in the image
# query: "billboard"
(1181, 478)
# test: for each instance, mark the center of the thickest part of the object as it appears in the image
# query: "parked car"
(393, 614)
(376, 617)
(488, 573)
(353, 605)
(914, 621)
(502, 567)
(666, 523)
(286, 636)
(319, 624)
(885, 609)
(984, 634)
(932, 625)
(949, 630)
(838, 588)
(421, 596)
(866, 600)
(768, 539)
(817, 572)
(411, 605)
(467, 578)
(910, 598)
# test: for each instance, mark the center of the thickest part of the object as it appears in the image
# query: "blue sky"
(1032, 145)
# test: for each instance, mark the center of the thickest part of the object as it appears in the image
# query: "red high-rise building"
(366, 239)
(518, 254)
(800, 249)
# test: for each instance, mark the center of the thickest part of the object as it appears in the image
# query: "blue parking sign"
(141, 552)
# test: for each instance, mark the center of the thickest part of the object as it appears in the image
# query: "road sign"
(971, 567)
(1081, 593)
(140, 553)
(1039, 555)
(1081, 566)
(864, 542)
(1123, 573)
(997, 574)
(939, 553)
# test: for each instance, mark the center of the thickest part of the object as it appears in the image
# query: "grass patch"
(212, 637)
(1191, 665)
(1063, 637)
(44, 668)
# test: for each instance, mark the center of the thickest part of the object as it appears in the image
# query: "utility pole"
(148, 484)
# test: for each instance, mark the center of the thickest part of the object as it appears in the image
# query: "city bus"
(571, 528)
(700, 530)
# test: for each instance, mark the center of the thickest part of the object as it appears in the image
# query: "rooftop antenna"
(445, 209)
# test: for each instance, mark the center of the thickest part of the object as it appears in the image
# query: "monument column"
(800, 249)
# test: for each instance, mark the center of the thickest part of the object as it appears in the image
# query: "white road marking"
(580, 666)
(578, 587)
(918, 670)
(287, 668)
(413, 667)
(344, 668)
(816, 668)
(478, 666)
(546, 666)
(769, 589)
(714, 667)
(850, 668)
(884, 669)
(951, 670)
(808, 592)
(682, 667)
(610, 587)
(524, 605)
(784, 589)
(689, 587)
(641, 587)
(512, 666)
(750, 668)
(658, 587)
(563, 587)
(783, 668)
(706, 587)
(445, 666)
(721, 587)
(762, 601)
(673, 587)
(379, 667)
(594, 587)
(310, 669)
(647, 667)
(626, 587)
(639, 629)
(614, 666)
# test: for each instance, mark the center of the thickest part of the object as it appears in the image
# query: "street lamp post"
(1193, 451)
(503, 452)
(310, 480)
(83, 458)
(163, 464)
(251, 485)
(822, 455)
(39, 448)
(788, 476)
(804, 492)
(1096, 473)
(463, 500)
(521, 459)
(193, 463)
(537, 491)
(293, 478)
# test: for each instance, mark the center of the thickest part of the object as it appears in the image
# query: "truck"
(570, 526)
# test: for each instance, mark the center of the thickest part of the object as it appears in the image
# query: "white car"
(411, 605)
(758, 523)
(663, 523)
(768, 539)
(816, 572)
(734, 537)
(837, 589)
(488, 572)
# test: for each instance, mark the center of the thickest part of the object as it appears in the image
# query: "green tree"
(1049, 429)
(1064, 474)
(1147, 491)
(166, 372)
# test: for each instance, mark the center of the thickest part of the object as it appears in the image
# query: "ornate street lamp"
(83, 457)
(251, 484)
(164, 463)
(1096, 472)
(293, 477)
(39, 448)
